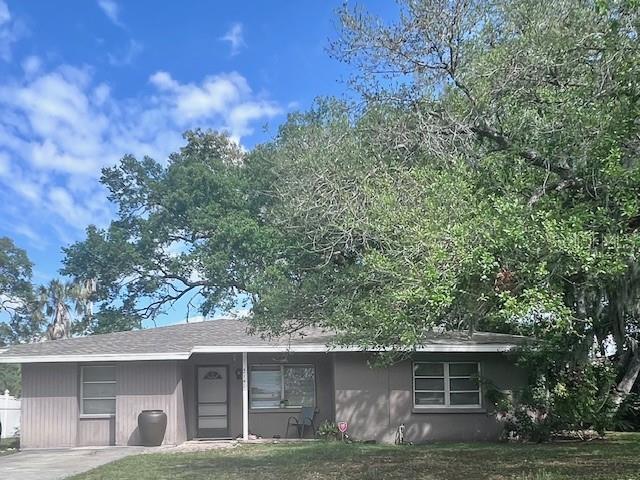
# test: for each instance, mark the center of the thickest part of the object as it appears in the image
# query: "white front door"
(212, 401)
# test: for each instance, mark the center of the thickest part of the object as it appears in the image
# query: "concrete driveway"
(59, 464)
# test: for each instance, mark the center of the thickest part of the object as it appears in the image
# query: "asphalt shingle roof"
(228, 333)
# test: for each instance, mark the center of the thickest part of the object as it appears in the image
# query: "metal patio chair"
(304, 419)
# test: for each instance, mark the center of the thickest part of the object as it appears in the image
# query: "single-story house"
(214, 380)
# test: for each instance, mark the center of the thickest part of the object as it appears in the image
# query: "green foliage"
(627, 418)
(191, 231)
(568, 400)
(10, 379)
(24, 309)
(372, 252)
(67, 304)
(328, 431)
(17, 297)
(477, 191)
(580, 397)
(15, 272)
(106, 320)
(530, 426)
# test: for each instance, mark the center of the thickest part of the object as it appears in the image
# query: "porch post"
(245, 398)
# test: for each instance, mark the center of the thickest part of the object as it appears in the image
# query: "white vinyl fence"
(9, 415)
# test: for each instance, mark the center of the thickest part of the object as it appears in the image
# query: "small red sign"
(342, 426)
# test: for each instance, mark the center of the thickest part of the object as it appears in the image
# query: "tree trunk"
(61, 325)
(631, 372)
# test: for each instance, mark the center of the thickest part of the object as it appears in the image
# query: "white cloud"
(243, 115)
(112, 10)
(31, 65)
(235, 37)
(4, 164)
(127, 56)
(5, 15)
(74, 212)
(34, 238)
(101, 94)
(59, 128)
(226, 96)
(10, 31)
(163, 81)
(213, 96)
(29, 190)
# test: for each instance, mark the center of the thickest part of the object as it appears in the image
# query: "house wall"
(149, 386)
(265, 423)
(93, 432)
(375, 401)
(51, 405)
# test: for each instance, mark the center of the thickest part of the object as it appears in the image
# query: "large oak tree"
(488, 178)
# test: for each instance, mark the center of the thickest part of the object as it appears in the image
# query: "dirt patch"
(195, 446)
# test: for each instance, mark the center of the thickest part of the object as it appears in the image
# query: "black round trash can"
(152, 425)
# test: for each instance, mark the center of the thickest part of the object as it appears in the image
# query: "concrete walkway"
(59, 464)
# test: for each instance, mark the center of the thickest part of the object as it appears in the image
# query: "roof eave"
(309, 348)
(97, 357)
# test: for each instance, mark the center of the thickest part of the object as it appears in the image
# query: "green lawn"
(8, 445)
(617, 458)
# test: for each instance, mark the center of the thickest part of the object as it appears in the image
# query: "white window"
(98, 390)
(282, 386)
(446, 384)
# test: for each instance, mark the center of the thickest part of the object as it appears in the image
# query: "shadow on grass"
(616, 459)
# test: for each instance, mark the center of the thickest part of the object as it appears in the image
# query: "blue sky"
(83, 82)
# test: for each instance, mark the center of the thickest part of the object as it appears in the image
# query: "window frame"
(281, 367)
(447, 386)
(102, 382)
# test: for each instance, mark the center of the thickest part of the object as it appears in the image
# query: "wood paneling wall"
(93, 432)
(147, 386)
(49, 405)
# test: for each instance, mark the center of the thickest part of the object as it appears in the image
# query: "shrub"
(627, 418)
(573, 400)
(328, 431)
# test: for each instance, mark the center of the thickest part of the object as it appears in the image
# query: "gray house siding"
(375, 401)
(49, 405)
(148, 386)
(51, 398)
(93, 432)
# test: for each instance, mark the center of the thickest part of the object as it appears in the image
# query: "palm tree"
(64, 302)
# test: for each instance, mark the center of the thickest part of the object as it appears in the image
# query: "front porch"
(249, 395)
